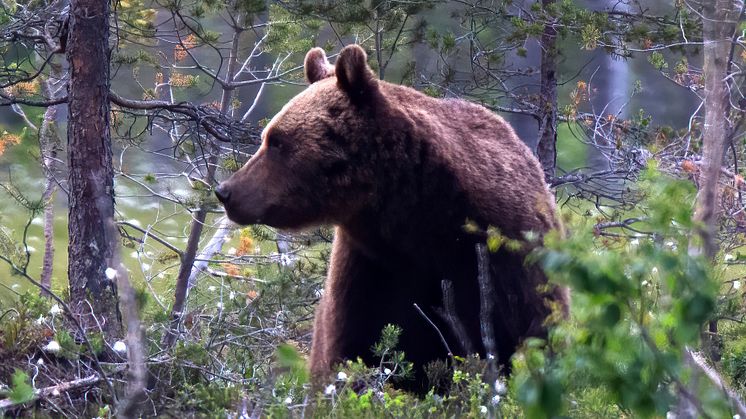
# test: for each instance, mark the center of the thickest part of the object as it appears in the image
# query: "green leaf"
(21, 391)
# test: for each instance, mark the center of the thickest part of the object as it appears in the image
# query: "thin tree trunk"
(185, 279)
(719, 24)
(49, 140)
(546, 149)
(91, 176)
(719, 18)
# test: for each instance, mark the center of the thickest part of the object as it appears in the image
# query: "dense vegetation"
(187, 314)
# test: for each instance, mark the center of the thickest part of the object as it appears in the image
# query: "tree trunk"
(50, 143)
(719, 24)
(546, 149)
(91, 176)
(187, 275)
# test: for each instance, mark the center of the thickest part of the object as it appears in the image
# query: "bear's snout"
(222, 192)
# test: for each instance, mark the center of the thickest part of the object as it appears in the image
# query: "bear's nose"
(222, 192)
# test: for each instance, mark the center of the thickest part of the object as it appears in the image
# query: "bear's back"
(501, 177)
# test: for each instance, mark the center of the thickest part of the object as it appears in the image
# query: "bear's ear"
(316, 65)
(352, 71)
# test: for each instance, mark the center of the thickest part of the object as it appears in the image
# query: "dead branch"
(450, 316)
(57, 390)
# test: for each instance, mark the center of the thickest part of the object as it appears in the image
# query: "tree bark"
(91, 176)
(718, 26)
(49, 140)
(546, 149)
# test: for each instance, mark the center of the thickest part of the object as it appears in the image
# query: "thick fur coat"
(399, 174)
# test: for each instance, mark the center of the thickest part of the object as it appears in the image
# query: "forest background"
(119, 119)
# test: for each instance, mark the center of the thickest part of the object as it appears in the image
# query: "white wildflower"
(729, 257)
(219, 305)
(736, 416)
(654, 271)
(211, 288)
(55, 310)
(483, 410)
(387, 371)
(670, 243)
(634, 242)
(490, 356)
(111, 273)
(40, 361)
(645, 283)
(495, 400)
(670, 415)
(500, 387)
(40, 320)
(55, 392)
(330, 389)
(257, 250)
(285, 260)
(288, 400)
(341, 376)
(232, 295)
(736, 285)
(119, 347)
(232, 251)
(53, 347)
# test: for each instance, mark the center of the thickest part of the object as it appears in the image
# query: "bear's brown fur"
(399, 174)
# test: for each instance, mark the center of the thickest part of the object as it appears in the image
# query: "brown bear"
(400, 174)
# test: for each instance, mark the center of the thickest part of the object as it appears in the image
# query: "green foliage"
(20, 391)
(635, 307)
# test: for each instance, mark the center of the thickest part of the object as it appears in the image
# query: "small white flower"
(483, 410)
(644, 283)
(736, 285)
(634, 242)
(654, 271)
(285, 260)
(670, 415)
(40, 361)
(232, 251)
(670, 244)
(55, 310)
(211, 288)
(387, 371)
(119, 347)
(257, 250)
(490, 356)
(330, 389)
(219, 305)
(111, 273)
(341, 376)
(736, 416)
(729, 257)
(55, 392)
(500, 387)
(53, 347)
(288, 400)
(40, 320)
(495, 400)
(232, 295)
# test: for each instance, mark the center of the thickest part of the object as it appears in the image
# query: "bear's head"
(311, 167)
